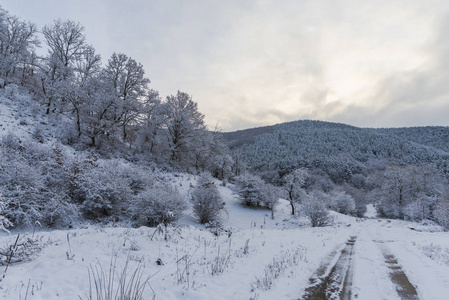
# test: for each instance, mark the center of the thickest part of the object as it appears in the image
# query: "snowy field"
(253, 257)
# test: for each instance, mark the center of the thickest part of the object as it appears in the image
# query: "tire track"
(338, 282)
(403, 286)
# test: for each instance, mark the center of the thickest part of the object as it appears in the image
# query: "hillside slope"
(338, 148)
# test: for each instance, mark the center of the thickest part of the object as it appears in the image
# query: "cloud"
(356, 64)
(253, 63)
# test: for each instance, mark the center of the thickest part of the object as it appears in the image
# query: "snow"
(60, 269)
(9, 120)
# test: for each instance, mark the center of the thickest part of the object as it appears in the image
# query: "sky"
(371, 63)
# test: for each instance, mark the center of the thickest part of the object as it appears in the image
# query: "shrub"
(161, 204)
(4, 222)
(342, 202)
(103, 191)
(315, 209)
(206, 200)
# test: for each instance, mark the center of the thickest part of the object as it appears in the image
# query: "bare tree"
(294, 186)
(184, 122)
(126, 77)
(18, 41)
(66, 45)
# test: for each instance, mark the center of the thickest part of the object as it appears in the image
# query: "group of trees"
(107, 105)
(410, 192)
(407, 192)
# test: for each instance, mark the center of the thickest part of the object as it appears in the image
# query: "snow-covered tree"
(184, 123)
(406, 191)
(18, 40)
(360, 197)
(441, 212)
(253, 191)
(270, 196)
(66, 46)
(248, 188)
(126, 78)
(66, 43)
(151, 135)
(99, 111)
(294, 186)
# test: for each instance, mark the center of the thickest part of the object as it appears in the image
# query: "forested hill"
(433, 136)
(338, 149)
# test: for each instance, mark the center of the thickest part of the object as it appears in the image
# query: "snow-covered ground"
(254, 257)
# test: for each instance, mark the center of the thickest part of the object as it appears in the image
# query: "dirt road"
(334, 278)
(333, 282)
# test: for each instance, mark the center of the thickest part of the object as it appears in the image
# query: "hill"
(338, 149)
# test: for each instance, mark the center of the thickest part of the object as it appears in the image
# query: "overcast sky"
(371, 63)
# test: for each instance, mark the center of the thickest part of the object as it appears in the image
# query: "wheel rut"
(337, 282)
(403, 286)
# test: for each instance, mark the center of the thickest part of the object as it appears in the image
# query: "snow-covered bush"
(32, 180)
(4, 222)
(104, 191)
(160, 204)
(342, 202)
(315, 209)
(206, 200)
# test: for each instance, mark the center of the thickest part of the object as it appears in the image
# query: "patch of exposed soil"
(403, 286)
